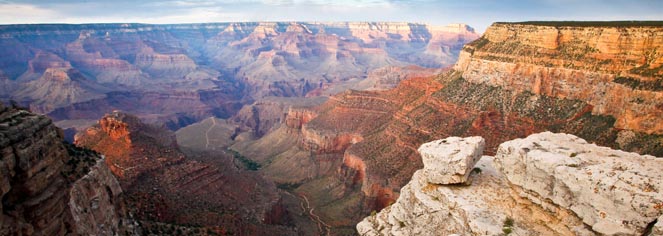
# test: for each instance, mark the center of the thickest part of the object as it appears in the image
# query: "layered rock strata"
(545, 184)
(615, 68)
(49, 187)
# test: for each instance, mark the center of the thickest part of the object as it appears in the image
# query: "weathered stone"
(545, 184)
(94, 202)
(450, 160)
(613, 191)
(479, 209)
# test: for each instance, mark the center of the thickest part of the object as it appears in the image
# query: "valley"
(227, 89)
(354, 152)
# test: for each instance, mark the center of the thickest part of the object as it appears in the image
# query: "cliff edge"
(545, 184)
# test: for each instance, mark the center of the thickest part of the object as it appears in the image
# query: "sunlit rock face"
(450, 161)
(616, 69)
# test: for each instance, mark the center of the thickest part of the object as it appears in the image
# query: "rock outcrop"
(96, 201)
(450, 160)
(131, 147)
(49, 187)
(545, 184)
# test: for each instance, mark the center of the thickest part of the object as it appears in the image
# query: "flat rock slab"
(450, 160)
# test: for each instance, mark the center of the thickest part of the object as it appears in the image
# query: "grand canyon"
(332, 128)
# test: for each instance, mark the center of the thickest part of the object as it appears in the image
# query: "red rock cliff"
(616, 69)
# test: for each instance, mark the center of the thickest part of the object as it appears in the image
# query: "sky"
(477, 13)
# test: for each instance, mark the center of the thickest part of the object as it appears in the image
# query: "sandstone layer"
(613, 192)
(616, 69)
(545, 184)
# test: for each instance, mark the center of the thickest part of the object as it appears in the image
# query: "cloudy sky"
(477, 13)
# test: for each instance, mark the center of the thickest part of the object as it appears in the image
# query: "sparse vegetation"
(655, 85)
(288, 186)
(79, 162)
(246, 162)
(507, 226)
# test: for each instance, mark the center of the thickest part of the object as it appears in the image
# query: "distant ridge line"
(588, 23)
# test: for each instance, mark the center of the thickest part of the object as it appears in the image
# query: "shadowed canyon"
(294, 128)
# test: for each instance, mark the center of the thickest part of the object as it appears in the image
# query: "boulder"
(450, 160)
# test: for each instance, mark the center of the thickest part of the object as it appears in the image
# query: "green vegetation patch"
(651, 144)
(507, 226)
(288, 186)
(476, 44)
(80, 161)
(246, 162)
(655, 85)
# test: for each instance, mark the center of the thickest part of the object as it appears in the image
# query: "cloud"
(11, 13)
(478, 13)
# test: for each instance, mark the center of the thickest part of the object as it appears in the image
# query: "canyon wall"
(211, 69)
(500, 90)
(617, 70)
(50, 187)
(545, 184)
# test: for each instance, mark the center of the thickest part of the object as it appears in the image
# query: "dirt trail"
(207, 133)
(322, 226)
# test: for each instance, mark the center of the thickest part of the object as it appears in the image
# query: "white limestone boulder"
(450, 160)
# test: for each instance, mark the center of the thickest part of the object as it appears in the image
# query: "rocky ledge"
(545, 184)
